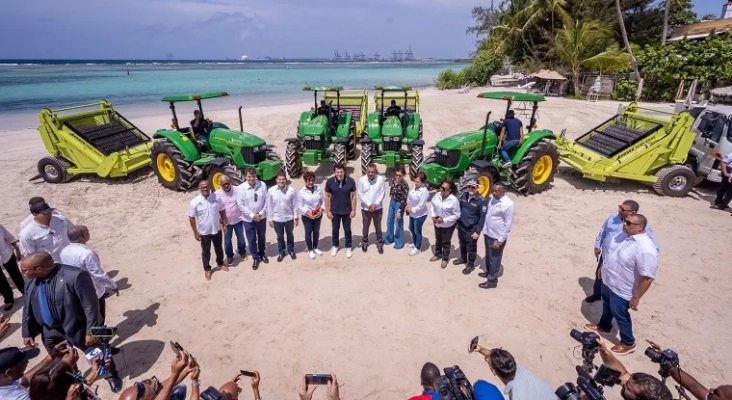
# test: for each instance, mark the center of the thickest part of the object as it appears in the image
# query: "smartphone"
(177, 348)
(473, 344)
(247, 373)
(317, 379)
(102, 332)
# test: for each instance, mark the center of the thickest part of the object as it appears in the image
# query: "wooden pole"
(639, 92)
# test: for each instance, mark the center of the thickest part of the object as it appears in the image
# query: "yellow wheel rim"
(542, 169)
(166, 168)
(484, 186)
(216, 185)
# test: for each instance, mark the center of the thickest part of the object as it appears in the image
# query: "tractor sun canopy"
(512, 96)
(322, 88)
(193, 97)
(393, 88)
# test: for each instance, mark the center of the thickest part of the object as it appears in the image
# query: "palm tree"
(537, 10)
(588, 44)
(624, 33)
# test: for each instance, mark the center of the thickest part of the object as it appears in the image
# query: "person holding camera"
(306, 390)
(627, 273)
(520, 383)
(427, 377)
(170, 389)
(14, 380)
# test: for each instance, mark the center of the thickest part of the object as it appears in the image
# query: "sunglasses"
(629, 223)
(141, 386)
(445, 189)
(621, 209)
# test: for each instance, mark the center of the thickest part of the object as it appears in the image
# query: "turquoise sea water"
(26, 88)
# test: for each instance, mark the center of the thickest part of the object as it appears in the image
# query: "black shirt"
(202, 129)
(340, 194)
(472, 212)
(393, 110)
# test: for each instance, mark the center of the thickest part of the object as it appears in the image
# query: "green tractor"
(321, 127)
(475, 155)
(394, 137)
(180, 159)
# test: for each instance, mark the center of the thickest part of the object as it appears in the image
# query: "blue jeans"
(312, 231)
(282, 229)
(256, 236)
(392, 235)
(415, 228)
(508, 145)
(241, 245)
(614, 306)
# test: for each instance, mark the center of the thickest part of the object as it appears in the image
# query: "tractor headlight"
(387, 139)
(308, 138)
(443, 152)
(318, 138)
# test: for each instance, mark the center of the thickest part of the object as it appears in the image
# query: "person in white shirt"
(251, 197)
(55, 213)
(417, 211)
(497, 226)
(445, 213)
(14, 379)
(45, 233)
(10, 254)
(311, 203)
(226, 196)
(627, 273)
(78, 254)
(206, 218)
(283, 213)
(371, 195)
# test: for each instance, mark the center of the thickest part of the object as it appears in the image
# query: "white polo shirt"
(6, 245)
(635, 256)
(282, 204)
(310, 200)
(81, 256)
(447, 209)
(55, 213)
(51, 239)
(252, 200)
(206, 211)
(499, 218)
(417, 199)
(371, 191)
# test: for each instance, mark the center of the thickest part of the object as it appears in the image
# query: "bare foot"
(224, 268)
(208, 275)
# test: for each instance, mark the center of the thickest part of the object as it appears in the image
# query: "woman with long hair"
(399, 188)
(445, 214)
(311, 201)
(417, 211)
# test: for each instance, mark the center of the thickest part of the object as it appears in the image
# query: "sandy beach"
(375, 319)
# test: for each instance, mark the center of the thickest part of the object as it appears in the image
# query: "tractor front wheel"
(215, 173)
(674, 181)
(339, 154)
(536, 170)
(53, 169)
(172, 170)
(367, 155)
(417, 160)
(293, 163)
(486, 177)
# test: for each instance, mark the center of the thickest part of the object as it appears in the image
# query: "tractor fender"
(412, 130)
(417, 142)
(529, 141)
(181, 142)
(344, 125)
(366, 140)
(481, 164)
(343, 140)
(291, 140)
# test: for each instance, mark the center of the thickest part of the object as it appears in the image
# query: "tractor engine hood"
(392, 126)
(231, 138)
(314, 126)
(467, 140)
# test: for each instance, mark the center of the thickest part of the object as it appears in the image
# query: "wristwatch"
(195, 383)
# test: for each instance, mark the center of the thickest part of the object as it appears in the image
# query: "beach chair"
(464, 90)
(527, 87)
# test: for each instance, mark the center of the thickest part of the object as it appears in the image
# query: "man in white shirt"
(226, 196)
(46, 232)
(206, 218)
(9, 256)
(283, 213)
(371, 195)
(78, 254)
(251, 197)
(497, 226)
(627, 273)
(55, 213)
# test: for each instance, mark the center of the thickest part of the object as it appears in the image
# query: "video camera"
(105, 335)
(590, 347)
(211, 394)
(454, 385)
(592, 386)
(667, 359)
(85, 393)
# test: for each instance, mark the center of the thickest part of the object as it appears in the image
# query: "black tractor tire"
(54, 169)
(486, 178)
(367, 155)
(293, 163)
(179, 174)
(417, 160)
(352, 141)
(214, 174)
(674, 181)
(537, 169)
(340, 153)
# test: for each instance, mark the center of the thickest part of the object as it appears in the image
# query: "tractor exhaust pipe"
(241, 122)
(485, 134)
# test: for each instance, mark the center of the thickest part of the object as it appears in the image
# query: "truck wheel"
(352, 141)
(692, 166)
(367, 156)
(293, 163)
(416, 161)
(339, 154)
(536, 170)
(215, 173)
(486, 177)
(172, 170)
(674, 181)
(54, 169)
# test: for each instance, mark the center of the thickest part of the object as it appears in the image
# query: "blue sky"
(217, 29)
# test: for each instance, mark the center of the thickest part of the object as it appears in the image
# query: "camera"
(590, 347)
(211, 394)
(590, 385)
(667, 359)
(85, 393)
(454, 385)
(105, 335)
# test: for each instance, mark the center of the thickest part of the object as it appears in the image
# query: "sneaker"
(622, 350)
(334, 251)
(349, 252)
(506, 164)
(318, 252)
(488, 285)
(410, 244)
(592, 298)
(312, 254)
(414, 252)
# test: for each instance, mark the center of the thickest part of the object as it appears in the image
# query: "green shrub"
(625, 90)
(449, 79)
(483, 65)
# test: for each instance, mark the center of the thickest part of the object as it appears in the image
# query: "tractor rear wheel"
(674, 181)
(54, 169)
(536, 170)
(352, 141)
(215, 173)
(417, 160)
(172, 170)
(367, 155)
(293, 163)
(339, 154)
(486, 177)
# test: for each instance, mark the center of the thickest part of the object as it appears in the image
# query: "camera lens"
(567, 392)
(652, 354)
(576, 335)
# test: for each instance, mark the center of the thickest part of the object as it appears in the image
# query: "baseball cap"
(471, 182)
(12, 356)
(41, 208)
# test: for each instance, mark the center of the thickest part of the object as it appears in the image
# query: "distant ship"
(243, 58)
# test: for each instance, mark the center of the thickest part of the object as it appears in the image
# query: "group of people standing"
(251, 207)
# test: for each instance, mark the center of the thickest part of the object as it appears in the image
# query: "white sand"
(374, 320)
